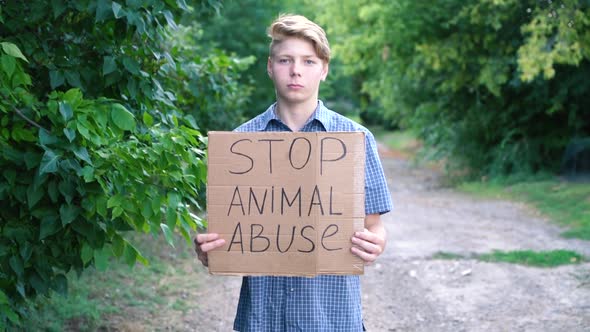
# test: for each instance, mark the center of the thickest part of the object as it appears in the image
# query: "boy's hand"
(206, 242)
(368, 245)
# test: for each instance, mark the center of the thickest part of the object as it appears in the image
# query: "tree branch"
(20, 113)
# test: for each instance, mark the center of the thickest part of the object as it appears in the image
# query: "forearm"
(374, 225)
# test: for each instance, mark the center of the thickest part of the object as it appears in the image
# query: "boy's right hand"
(206, 242)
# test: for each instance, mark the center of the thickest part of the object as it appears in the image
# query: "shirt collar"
(320, 114)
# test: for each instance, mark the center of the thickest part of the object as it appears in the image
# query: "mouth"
(295, 86)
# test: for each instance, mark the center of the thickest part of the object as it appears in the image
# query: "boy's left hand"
(368, 245)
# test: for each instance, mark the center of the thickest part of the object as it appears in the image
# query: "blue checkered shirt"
(326, 302)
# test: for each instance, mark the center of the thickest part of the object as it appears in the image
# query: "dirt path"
(409, 291)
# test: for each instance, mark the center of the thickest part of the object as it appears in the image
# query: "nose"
(295, 69)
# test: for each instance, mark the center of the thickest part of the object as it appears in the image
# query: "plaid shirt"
(326, 302)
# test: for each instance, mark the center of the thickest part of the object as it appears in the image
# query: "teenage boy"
(298, 62)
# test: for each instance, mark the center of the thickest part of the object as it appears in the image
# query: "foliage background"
(496, 86)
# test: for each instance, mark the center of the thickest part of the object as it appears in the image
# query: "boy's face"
(296, 70)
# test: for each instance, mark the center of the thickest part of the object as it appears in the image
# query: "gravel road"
(408, 290)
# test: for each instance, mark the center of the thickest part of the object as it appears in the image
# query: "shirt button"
(292, 289)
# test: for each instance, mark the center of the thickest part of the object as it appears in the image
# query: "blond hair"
(288, 25)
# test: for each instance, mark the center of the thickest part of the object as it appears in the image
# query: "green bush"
(100, 135)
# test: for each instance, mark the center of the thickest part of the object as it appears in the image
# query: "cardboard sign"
(286, 203)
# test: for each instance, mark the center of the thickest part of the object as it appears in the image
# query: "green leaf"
(21, 78)
(109, 65)
(86, 253)
(56, 78)
(73, 96)
(31, 159)
(132, 87)
(118, 246)
(171, 216)
(101, 259)
(49, 162)
(17, 265)
(83, 130)
(118, 10)
(88, 173)
(26, 251)
(12, 50)
(49, 226)
(3, 298)
(101, 206)
(8, 64)
(117, 211)
(115, 201)
(34, 195)
(67, 189)
(82, 153)
(167, 234)
(130, 254)
(38, 283)
(103, 10)
(52, 191)
(146, 209)
(47, 138)
(173, 200)
(11, 315)
(58, 7)
(148, 119)
(65, 110)
(170, 19)
(70, 134)
(131, 65)
(10, 176)
(122, 117)
(68, 213)
(73, 78)
(182, 4)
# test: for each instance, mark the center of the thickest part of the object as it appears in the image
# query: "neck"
(295, 115)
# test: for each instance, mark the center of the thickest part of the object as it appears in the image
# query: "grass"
(566, 203)
(447, 255)
(120, 294)
(531, 258)
(551, 258)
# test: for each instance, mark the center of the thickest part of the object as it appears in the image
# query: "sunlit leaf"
(122, 117)
(13, 50)
(118, 10)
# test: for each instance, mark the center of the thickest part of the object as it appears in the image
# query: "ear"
(325, 71)
(269, 67)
